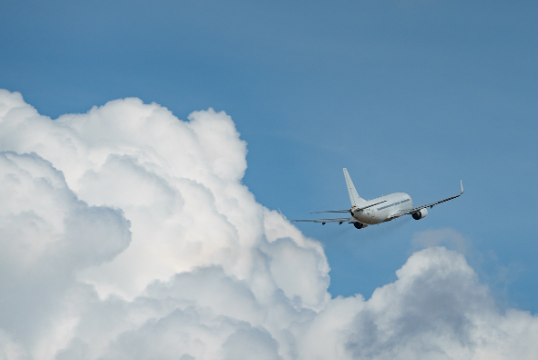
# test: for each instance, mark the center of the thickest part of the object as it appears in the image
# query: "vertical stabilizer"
(356, 200)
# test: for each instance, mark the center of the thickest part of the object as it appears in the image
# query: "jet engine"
(422, 213)
(359, 225)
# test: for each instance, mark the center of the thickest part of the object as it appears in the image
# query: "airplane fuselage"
(389, 205)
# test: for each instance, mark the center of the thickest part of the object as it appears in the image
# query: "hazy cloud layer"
(126, 233)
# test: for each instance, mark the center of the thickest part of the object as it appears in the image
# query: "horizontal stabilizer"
(348, 210)
(349, 220)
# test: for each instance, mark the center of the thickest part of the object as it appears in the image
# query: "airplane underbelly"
(370, 218)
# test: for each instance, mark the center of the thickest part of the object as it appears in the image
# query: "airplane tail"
(356, 200)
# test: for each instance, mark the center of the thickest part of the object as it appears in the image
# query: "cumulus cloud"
(126, 233)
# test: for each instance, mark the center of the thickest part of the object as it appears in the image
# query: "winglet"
(283, 217)
(461, 183)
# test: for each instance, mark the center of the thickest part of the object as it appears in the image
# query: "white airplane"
(378, 210)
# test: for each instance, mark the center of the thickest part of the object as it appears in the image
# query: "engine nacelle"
(359, 225)
(422, 213)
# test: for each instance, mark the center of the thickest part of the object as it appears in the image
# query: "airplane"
(379, 210)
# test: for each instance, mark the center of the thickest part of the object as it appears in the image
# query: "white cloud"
(126, 233)
(47, 236)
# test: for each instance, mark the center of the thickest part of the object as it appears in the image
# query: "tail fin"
(356, 200)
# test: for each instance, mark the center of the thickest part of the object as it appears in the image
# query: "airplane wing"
(349, 220)
(430, 205)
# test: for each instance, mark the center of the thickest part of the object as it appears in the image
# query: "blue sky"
(408, 95)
